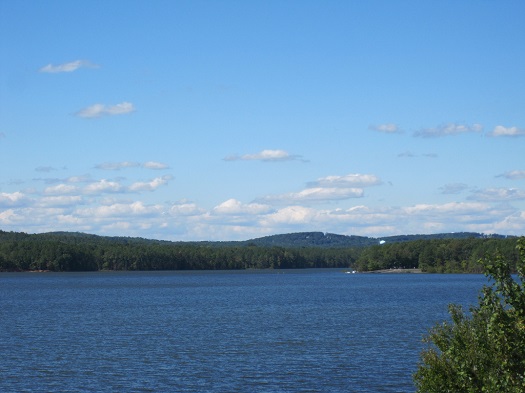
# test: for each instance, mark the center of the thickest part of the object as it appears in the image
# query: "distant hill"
(288, 240)
(331, 240)
(76, 251)
(312, 239)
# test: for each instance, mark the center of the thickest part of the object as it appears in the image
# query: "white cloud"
(185, 209)
(233, 207)
(151, 185)
(446, 209)
(326, 189)
(13, 199)
(117, 226)
(513, 223)
(115, 207)
(507, 131)
(67, 67)
(6, 216)
(235, 220)
(120, 210)
(388, 128)
(79, 179)
(99, 110)
(291, 215)
(363, 217)
(315, 194)
(497, 194)
(155, 165)
(448, 129)
(513, 175)
(347, 181)
(61, 189)
(266, 155)
(103, 186)
(61, 200)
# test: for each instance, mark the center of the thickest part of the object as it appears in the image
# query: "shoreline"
(394, 271)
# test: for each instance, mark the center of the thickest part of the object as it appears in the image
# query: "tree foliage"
(483, 351)
(67, 251)
(460, 255)
(79, 252)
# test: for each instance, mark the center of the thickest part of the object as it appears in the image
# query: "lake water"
(241, 331)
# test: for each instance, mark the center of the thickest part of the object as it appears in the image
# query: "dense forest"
(437, 255)
(63, 251)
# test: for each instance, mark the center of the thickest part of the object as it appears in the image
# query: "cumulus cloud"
(60, 200)
(61, 189)
(347, 181)
(291, 215)
(99, 110)
(447, 210)
(513, 175)
(234, 207)
(67, 67)
(185, 209)
(103, 186)
(266, 155)
(13, 199)
(388, 128)
(497, 194)
(326, 189)
(507, 131)
(447, 130)
(123, 210)
(94, 188)
(235, 220)
(151, 185)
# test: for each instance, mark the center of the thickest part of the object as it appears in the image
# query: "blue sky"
(229, 120)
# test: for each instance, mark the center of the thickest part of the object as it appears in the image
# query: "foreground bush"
(483, 351)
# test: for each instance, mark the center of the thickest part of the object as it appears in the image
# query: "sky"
(232, 120)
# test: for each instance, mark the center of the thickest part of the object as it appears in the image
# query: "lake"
(220, 331)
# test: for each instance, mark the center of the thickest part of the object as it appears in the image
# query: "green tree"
(483, 351)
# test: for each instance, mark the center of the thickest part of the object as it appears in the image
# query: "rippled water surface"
(254, 331)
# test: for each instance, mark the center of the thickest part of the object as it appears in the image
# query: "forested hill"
(320, 239)
(70, 251)
(288, 240)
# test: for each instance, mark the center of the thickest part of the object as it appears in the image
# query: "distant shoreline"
(394, 271)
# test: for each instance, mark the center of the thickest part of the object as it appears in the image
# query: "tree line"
(437, 255)
(70, 252)
(81, 252)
